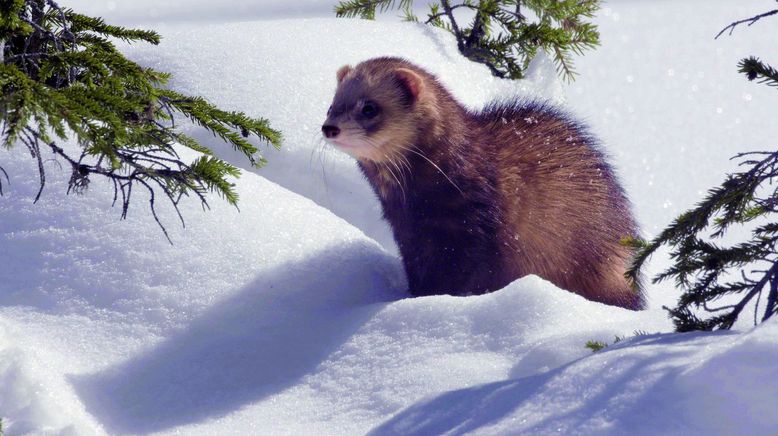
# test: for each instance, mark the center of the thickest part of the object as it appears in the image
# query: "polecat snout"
(478, 199)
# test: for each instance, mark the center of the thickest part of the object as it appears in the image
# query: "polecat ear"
(342, 71)
(412, 81)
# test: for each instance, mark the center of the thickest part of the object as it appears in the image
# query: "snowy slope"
(152, 11)
(281, 317)
(287, 318)
(82, 292)
(656, 384)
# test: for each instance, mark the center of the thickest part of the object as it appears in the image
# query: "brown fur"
(476, 200)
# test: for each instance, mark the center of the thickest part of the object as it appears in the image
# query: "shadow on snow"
(258, 342)
(474, 409)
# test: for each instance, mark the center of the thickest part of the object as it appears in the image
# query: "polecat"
(478, 199)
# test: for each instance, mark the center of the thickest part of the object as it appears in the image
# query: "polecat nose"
(330, 131)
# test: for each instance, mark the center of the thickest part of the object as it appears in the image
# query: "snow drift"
(290, 316)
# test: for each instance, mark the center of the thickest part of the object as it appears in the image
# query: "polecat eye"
(369, 109)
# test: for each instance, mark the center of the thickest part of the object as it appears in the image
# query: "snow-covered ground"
(290, 316)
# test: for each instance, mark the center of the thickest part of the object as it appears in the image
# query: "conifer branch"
(755, 69)
(702, 268)
(62, 77)
(500, 35)
(366, 9)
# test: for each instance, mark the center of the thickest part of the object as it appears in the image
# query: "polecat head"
(377, 108)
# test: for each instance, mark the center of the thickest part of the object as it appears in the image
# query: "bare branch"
(432, 17)
(7, 180)
(454, 26)
(750, 22)
(772, 298)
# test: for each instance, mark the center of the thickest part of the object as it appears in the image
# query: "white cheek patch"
(357, 147)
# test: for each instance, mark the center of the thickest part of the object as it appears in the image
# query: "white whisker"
(400, 185)
(434, 165)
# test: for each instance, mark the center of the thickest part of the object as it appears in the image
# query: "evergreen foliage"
(595, 346)
(706, 269)
(755, 69)
(504, 35)
(62, 78)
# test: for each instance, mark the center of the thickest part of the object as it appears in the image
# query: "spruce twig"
(701, 268)
(755, 69)
(500, 35)
(63, 79)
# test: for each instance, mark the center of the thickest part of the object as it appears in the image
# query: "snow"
(151, 11)
(689, 383)
(290, 315)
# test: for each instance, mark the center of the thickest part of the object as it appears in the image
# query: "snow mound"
(280, 314)
(691, 383)
(81, 290)
(289, 318)
(300, 347)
